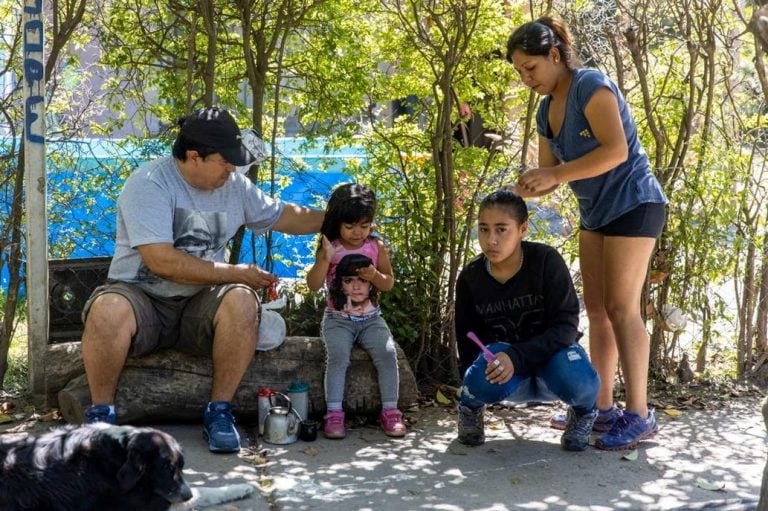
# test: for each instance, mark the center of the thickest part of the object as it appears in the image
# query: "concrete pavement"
(701, 459)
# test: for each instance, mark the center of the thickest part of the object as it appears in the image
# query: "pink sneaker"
(334, 424)
(392, 422)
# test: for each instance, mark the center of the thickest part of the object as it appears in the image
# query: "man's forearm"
(171, 264)
(299, 220)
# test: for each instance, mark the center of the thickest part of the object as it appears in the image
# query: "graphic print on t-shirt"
(511, 319)
(198, 233)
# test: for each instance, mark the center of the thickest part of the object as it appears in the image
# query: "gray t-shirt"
(158, 206)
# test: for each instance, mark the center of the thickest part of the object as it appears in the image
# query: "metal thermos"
(264, 405)
(298, 392)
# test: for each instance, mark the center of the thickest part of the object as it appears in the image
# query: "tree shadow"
(521, 466)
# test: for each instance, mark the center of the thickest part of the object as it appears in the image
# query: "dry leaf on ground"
(630, 456)
(442, 399)
(711, 486)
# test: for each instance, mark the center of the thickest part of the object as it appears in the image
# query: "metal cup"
(308, 430)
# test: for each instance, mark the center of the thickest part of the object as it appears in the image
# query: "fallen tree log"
(172, 386)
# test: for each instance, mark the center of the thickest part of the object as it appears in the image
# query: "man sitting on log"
(169, 285)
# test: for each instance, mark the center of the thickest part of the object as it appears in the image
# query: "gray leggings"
(339, 335)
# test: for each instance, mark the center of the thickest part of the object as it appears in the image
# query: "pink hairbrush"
(487, 355)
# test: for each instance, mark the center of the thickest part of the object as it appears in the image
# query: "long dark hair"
(349, 203)
(348, 267)
(538, 37)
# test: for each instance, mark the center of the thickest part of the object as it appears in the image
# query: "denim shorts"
(184, 323)
(645, 221)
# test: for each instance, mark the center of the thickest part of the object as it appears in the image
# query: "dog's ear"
(131, 471)
(138, 453)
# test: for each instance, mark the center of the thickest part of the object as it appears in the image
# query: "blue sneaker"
(100, 413)
(603, 423)
(577, 430)
(628, 431)
(219, 427)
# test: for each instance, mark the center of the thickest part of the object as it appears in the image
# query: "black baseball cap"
(215, 128)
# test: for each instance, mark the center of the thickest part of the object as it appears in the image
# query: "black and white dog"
(92, 467)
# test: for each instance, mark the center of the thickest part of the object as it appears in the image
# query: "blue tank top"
(606, 197)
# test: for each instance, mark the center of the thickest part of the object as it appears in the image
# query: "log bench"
(171, 386)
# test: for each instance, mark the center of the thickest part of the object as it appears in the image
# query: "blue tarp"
(85, 177)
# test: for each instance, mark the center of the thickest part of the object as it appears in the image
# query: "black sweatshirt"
(536, 311)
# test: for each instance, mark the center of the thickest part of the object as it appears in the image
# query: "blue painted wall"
(81, 209)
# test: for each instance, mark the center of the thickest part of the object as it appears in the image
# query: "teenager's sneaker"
(219, 427)
(471, 425)
(578, 430)
(604, 421)
(334, 424)
(100, 413)
(392, 422)
(628, 431)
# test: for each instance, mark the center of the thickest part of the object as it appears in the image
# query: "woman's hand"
(519, 190)
(538, 181)
(500, 372)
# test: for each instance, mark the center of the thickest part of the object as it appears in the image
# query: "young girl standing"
(588, 139)
(355, 266)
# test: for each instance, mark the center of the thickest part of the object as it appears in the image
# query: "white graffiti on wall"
(34, 71)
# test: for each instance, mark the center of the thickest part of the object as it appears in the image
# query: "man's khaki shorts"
(183, 323)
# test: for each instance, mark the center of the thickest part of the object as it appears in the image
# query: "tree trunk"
(209, 68)
(15, 265)
(761, 339)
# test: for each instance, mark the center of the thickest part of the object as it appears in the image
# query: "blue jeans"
(568, 376)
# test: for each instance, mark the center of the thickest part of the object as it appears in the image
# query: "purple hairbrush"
(487, 355)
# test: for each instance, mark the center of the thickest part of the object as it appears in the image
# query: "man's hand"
(272, 292)
(254, 276)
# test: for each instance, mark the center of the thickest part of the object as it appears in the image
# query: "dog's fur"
(92, 467)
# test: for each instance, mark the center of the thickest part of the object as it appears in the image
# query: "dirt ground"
(709, 454)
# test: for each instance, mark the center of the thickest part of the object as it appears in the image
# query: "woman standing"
(588, 139)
